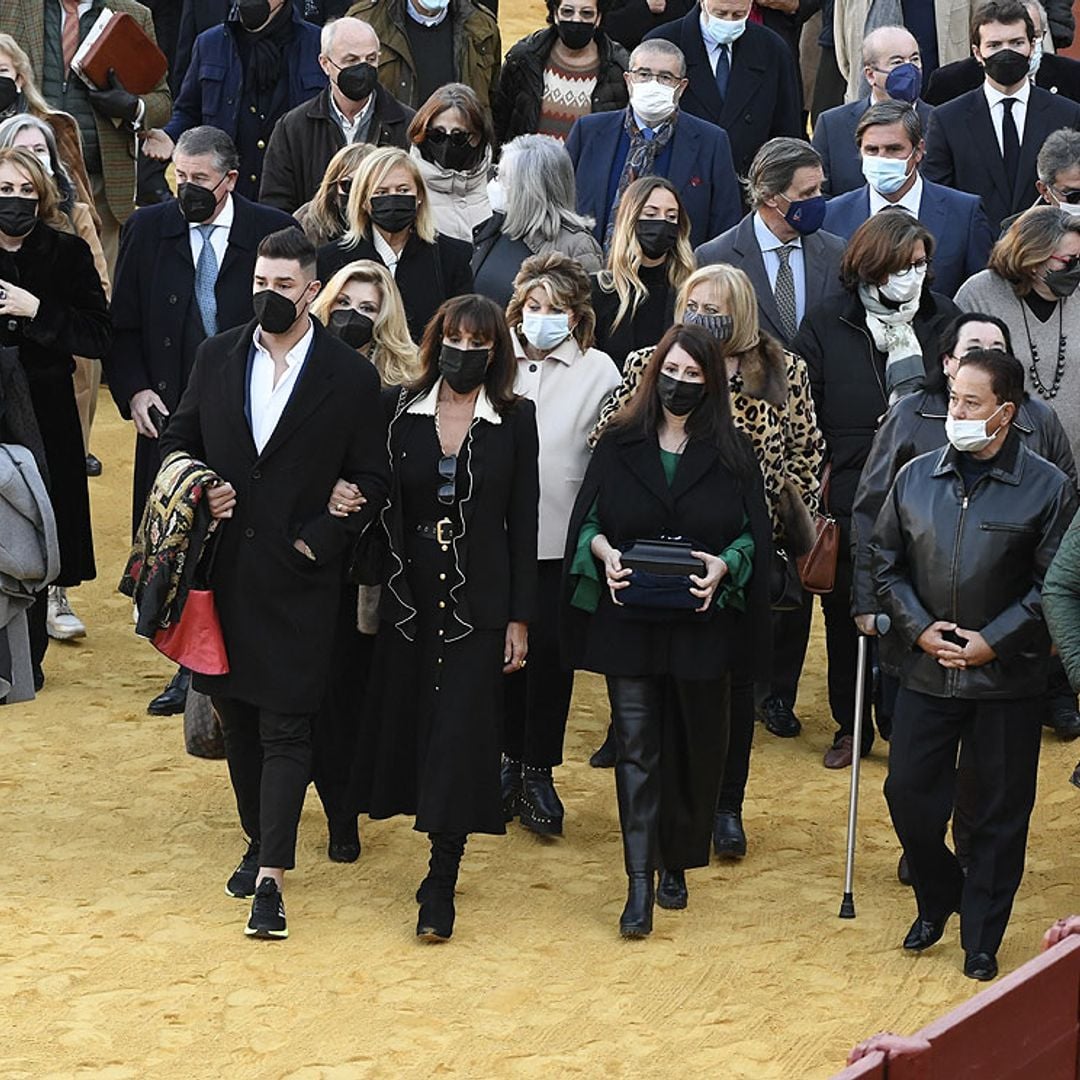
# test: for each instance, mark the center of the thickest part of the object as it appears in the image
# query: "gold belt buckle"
(439, 530)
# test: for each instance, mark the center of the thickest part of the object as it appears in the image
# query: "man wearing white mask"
(890, 144)
(970, 647)
(740, 75)
(652, 136)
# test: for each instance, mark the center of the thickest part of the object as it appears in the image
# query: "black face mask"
(17, 215)
(353, 327)
(720, 326)
(393, 213)
(9, 93)
(678, 397)
(197, 203)
(276, 313)
(357, 81)
(1063, 283)
(1007, 66)
(463, 369)
(574, 34)
(253, 13)
(656, 237)
(449, 151)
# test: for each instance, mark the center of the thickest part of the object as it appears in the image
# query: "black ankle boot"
(636, 919)
(604, 756)
(672, 893)
(539, 805)
(344, 845)
(511, 787)
(729, 839)
(436, 893)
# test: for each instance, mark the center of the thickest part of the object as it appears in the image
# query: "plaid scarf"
(640, 158)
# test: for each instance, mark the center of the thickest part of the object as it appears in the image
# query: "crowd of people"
(454, 374)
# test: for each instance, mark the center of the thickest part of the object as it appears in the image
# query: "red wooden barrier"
(1025, 1027)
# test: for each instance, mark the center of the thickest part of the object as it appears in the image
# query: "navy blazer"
(763, 96)
(822, 253)
(700, 169)
(962, 149)
(834, 140)
(954, 219)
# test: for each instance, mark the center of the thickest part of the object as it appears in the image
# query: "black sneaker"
(242, 883)
(780, 719)
(267, 912)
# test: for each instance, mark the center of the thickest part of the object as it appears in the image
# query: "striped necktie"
(69, 40)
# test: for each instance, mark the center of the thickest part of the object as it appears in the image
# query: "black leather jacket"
(976, 558)
(916, 425)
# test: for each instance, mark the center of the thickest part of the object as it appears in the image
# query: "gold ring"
(522, 663)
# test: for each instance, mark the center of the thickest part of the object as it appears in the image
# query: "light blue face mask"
(435, 6)
(723, 31)
(544, 332)
(886, 175)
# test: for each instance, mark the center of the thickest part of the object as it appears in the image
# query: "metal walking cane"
(882, 622)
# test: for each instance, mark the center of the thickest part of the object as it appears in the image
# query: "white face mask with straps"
(970, 436)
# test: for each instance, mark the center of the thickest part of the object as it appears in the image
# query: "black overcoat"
(278, 607)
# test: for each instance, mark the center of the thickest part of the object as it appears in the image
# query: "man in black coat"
(157, 318)
(354, 108)
(279, 409)
(986, 141)
(741, 76)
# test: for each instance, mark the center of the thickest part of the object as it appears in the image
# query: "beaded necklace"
(1043, 390)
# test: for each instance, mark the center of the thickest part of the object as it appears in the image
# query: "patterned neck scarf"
(640, 158)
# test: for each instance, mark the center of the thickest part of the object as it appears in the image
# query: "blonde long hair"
(624, 259)
(373, 170)
(21, 62)
(739, 301)
(393, 352)
(322, 214)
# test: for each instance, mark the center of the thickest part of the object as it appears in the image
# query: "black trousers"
(790, 637)
(269, 756)
(842, 650)
(740, 741)
(1001, 745)
(36, 618)
(671, 739)
(537, 699)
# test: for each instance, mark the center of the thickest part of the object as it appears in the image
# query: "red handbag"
(195, 640)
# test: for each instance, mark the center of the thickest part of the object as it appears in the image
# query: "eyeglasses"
(455, 138)
(448, 475)
(664, 78)
(918, 264)
(1070, 197)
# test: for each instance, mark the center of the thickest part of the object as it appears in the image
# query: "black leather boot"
(511, 787)
(636, 919)
(604, 756)
(672, 892)
(539, 805)
(344, 845)
(729, 840)
(436, 893)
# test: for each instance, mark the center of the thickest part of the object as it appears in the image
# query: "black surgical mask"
(357, 81)
(17, 215)
(9, 93)
(721, 327)
(1007, 66)
(276, 313)
(197, 203)
(656, 237)
(453, 152)
(1063, 283)
(574, 34)
(463, 369)
(678, 397)
(253, 13)
(393, 213)
(353, 327)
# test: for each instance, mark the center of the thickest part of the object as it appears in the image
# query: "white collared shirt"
(426, 404)
(910, 200)
(712, 50)
(349, 128)
(219, 235)
(267, 400)
(389, 256)
(770, 245)
(995, 97)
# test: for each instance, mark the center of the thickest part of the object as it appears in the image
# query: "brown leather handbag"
(817, 568)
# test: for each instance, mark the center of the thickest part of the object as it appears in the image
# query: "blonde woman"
(551, 321)
(361, 305)
(323, 219)
(770, 403)
(650, 258)
(390, 221)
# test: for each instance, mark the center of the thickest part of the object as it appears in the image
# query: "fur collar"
(764, 372)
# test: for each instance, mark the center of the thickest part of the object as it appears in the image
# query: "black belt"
(442, 531)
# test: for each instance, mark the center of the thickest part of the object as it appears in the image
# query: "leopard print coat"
(771, 403)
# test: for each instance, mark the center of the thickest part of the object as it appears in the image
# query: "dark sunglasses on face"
(455, 138)
(1070, 197)
(448, 475)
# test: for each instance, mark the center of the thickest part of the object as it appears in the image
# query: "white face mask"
(900, 288)
(652, 102)
(886, 175)
(1072, 209)
(970, 436)
(544, 332)
(723, 31)
(46, 163)
(496, 196)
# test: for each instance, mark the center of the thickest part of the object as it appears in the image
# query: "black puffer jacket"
(515, 108)
(916, 425)
(974, 557)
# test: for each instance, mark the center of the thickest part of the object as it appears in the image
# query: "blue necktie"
(206, 271)
(723, 72)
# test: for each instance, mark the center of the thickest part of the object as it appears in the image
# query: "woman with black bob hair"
(459, 589)
(670, 465)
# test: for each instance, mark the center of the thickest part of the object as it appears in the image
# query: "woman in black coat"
(52, 308)
(390, 222)
(458, 592)
(670, 465)
(875, 343)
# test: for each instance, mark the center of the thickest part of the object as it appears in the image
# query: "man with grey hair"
(793, 266)
(893, 68)
(890, 142)
(184, 274)
(354, 108)
(652, 136)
